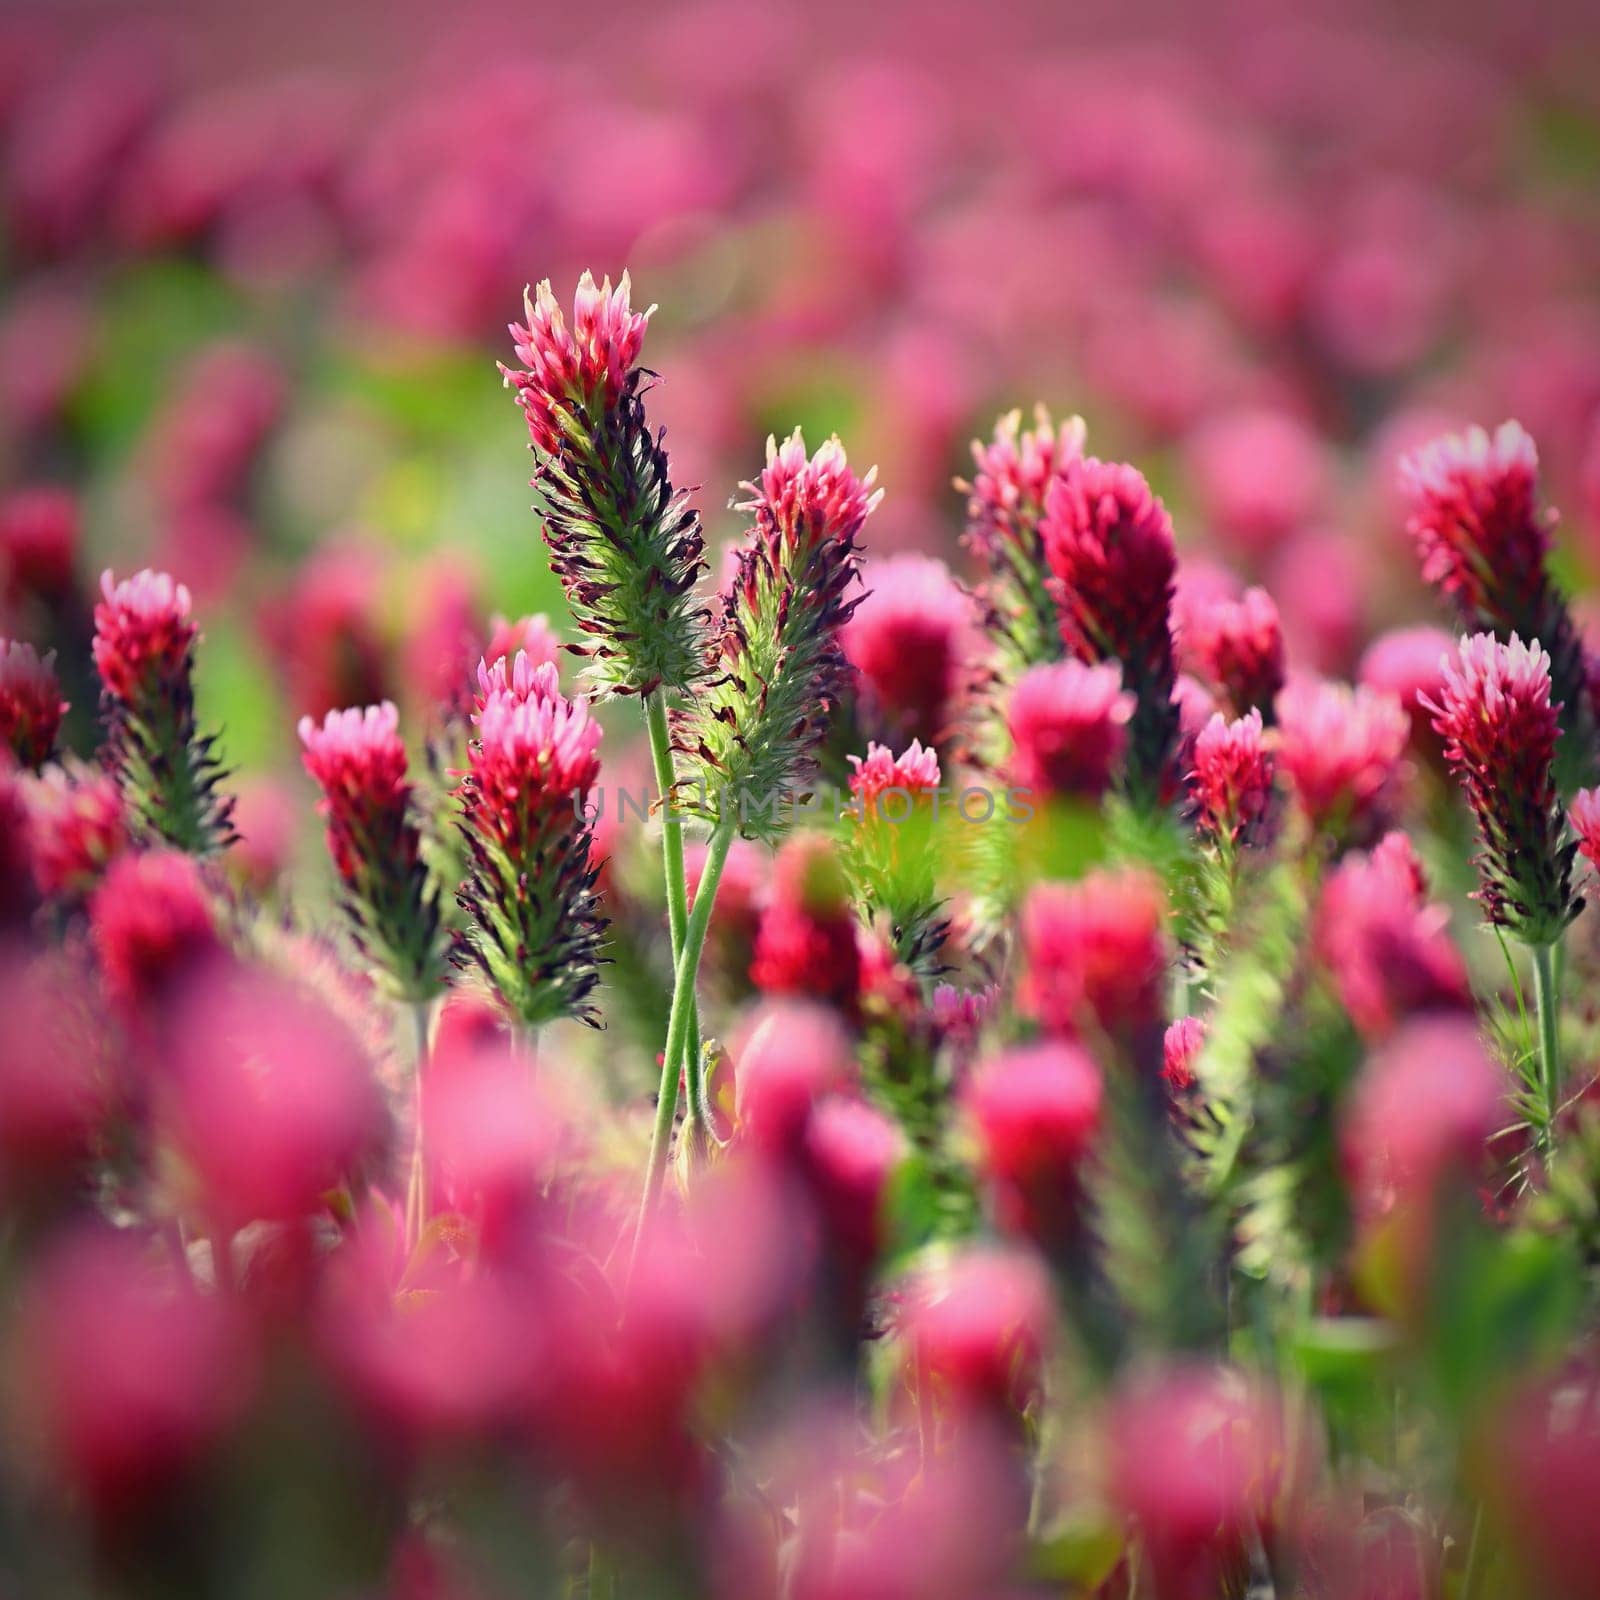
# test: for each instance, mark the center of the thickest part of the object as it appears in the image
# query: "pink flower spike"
(1230, 786)
(76, 824)
(1015, 471)
(1584, 815)
(914, 772)
(1237, 645)
(31, 707)
(1069, 729)
(153, 925)
(1180, 1049)
(524, 677)
(144, 637)
(806, 502)
(1341, 751)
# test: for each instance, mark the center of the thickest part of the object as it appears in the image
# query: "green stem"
(1469, 1578)
(655, 716)
(694, 938)
(1546, 1004)
(417, 1189)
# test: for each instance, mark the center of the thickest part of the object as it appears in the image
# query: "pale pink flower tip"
(1584, 815)
(915, 770)
(521, 677)
(810, 500)
(1069, 728)
(532, 756)
(143, 633)
(1014, 472)
(1230, 785)
(1341, 749)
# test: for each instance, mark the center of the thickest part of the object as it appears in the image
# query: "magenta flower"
(359, 761)
(1095, 955)
(890, 854)
(39, 536)
(913, 640)
(1408, 663)
(77, 823)
(31, 707)
(1584, 816)
(1108, 542)
(1230, 786)
(624, 542)
(144, 644)
(535, 925)
(1180, 1049)
(755, 728)
(1341, 751)
(153, 924)
(1500, 732)
(1237, 645)
(914, 772)
(808, 943)
(1069, 729)
(1484, 541)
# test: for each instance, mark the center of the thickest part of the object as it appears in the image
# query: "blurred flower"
(787, 1056)
(1237, 645)
(756, 728)
(359, 762)
(1108, 542)
(736, 918)
(1069, 729)
(39, 535)
(1409, 663)
(1483, 540)
(126, 1373)
(1584, 816)
(268, 1100)
(1037, 1112)
(31, 707)
(1230, 786)
(153, 925)
(536, 926)
(530, 636)
(1387, 950)
(1258, 475)
(624, 542)
(1500, 732)
(1180, 1049)
(913, 639)
(325, 632)
(265, 818)
(807, 943)
(76, 824)
(1095, 955)
(144, 644)
(1341, 750)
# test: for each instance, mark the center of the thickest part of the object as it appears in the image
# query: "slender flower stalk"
(534, 923)
(359, 761)
(144, 645)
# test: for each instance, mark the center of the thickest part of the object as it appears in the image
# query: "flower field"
(796, 803)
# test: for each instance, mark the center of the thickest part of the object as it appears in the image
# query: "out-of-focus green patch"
(236, 696)
(820, 400)
(1563, 141)
(1081, 1550)
(151, 317)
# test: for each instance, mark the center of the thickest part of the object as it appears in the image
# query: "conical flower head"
(1341, 751)
(624, 542)
(31, 707)
(359, 761)
(1500, 729)
(1015, 471)
(890, 854)
(1108, 541)
(534, 921)
(1069, 729)
(755, 728)
(1237, 646)
(1484, 540)
(1230, 786)
(144, 645)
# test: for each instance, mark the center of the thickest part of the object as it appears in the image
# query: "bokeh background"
(258, 262)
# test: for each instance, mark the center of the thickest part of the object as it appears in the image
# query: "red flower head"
(787, 1057)
(913, 773)
(536, 926)
(913, 639)
(1259, 476)
(1230, 786)
(1198, 1463)
(359, 761)
(530, 636)
(1409, 663)
(1500, 732)
(590, 364)
(1108, 541)
(144, 639)
(736, 917)
(268, 1099)
(807, 944)
(1095, 954)
(1484, 541)
(806, 503)
(76, 824)
(1037, 1112)
(1180, 1049)
(1423, 1112)
(1069, 728)
(978, 1329)
(38, 543)
(128, 1373)
(1584, 816)
(1341, 751)
(1388, 952)
(153, 924)
(31, 707)
(326, 632)
(850, 1152)
(1237, 645)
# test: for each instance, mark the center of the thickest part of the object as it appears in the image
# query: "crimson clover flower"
(359, 761)
(1230, 784)
(1484, 541)
(624, 542)
(534, 921)
(1069, 729)
(1237, 646)
(1341, 750)
(1108, 542)
(31, 707)
(1500, 729)
(756, 726)
(144, 645)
